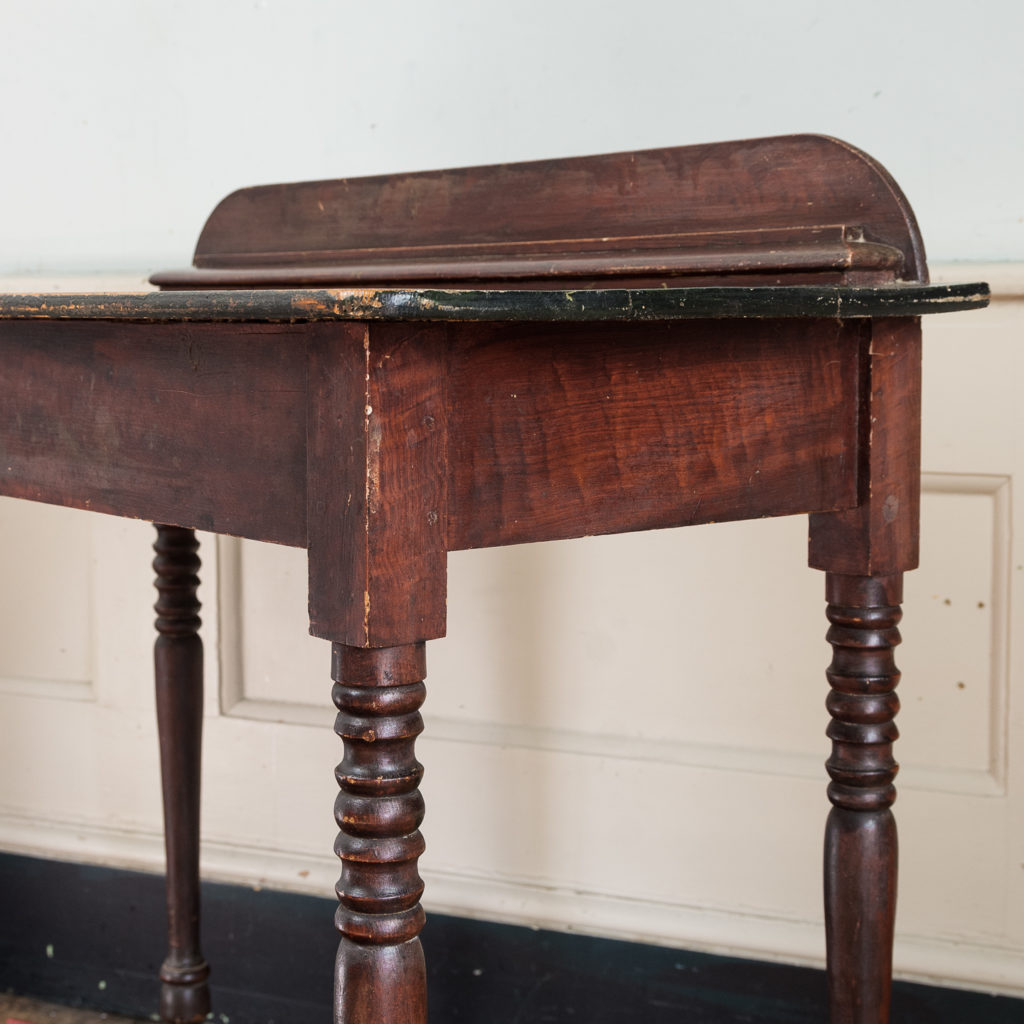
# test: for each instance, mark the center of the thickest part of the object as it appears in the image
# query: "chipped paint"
(374, 444)
(371, 482)
(623, 304)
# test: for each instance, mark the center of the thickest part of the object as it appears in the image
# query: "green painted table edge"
(519, 305)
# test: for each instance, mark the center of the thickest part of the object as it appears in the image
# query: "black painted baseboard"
(92, 936)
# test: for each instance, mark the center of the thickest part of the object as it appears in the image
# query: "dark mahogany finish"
(865, 551)
(577, 431)
(376, 501)
(860, 838)
(386, 369)
(381, 975)
(178, 663)
(767, 208)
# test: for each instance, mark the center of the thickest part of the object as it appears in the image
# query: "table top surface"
(507, 305)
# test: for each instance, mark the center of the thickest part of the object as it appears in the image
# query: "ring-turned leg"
(860, 838)
(380, 976)
(178, 663)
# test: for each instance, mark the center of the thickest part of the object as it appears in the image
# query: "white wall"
(125, 121)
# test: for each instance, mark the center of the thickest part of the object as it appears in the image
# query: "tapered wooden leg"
(860, 838)
(380, 976)
(178, 661)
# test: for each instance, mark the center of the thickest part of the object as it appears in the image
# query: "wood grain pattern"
(831, 252)
(880, 536)
(565, 433)
(564, 207)
(178, 665)
(200, 426)
(377, 482)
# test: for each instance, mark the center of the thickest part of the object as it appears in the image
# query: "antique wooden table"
(383, 370)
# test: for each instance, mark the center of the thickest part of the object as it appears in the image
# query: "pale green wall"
(125, 120)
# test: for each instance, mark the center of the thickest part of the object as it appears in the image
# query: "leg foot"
(184, 990)
(378, 984)
(178, 663)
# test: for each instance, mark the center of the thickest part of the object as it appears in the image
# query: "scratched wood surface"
(544, 305)
(198, 425)
(760, 206)
(880, 536)
(378, 458)
(423, 438)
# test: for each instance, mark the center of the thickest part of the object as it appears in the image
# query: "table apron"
(551, 431)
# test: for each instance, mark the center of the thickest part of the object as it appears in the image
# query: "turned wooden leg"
(178, 661)
(380, 976)
(860, 838)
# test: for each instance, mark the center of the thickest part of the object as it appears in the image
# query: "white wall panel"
(55, 655)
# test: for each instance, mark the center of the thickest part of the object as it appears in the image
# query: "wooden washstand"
(383, 370)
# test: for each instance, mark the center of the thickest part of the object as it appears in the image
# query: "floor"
(19, 1010)
(273, 955)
